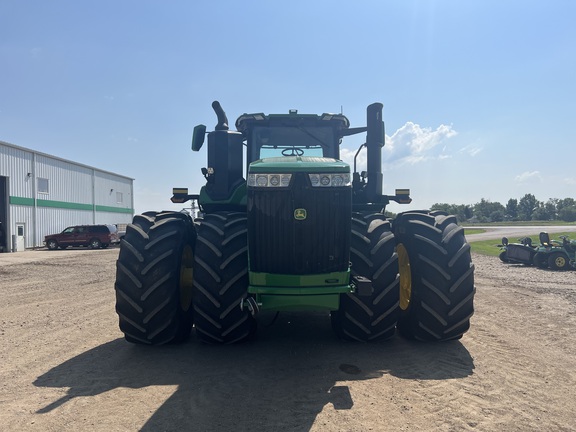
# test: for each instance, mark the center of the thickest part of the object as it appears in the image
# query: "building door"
(20, 237)
(4, 231)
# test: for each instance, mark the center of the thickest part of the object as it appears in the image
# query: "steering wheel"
(293, 151)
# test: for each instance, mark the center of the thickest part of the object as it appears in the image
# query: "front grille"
(279, 243)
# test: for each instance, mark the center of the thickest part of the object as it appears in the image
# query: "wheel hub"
(405, 276)
(186, 277)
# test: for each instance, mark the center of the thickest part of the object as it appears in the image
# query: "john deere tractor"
(286, 225)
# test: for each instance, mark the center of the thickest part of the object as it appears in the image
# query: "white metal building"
(42, 194)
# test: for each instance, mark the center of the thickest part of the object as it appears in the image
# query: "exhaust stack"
(374, 144)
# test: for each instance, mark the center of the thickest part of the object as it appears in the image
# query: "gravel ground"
(66, 367)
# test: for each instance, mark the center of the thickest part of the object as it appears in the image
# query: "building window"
(42, 185)
(119, 197)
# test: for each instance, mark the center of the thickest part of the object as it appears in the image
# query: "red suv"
(94, 236)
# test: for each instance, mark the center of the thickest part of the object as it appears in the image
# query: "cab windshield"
(293, 140)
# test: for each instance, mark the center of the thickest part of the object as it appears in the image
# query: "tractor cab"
(292, 134)
(278, 139)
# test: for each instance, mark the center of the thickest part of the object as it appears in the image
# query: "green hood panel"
(237, 198)
(291, 164)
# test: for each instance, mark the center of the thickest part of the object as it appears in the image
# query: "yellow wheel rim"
(405, 276)
(186, 277)
(560, 261)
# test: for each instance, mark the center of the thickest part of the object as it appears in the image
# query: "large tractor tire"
(221, 279)
(436, 276)
(370, 317)
(154, 278)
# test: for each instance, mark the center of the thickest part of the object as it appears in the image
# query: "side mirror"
(198, 137)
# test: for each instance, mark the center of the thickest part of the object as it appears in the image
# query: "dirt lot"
(65, 367)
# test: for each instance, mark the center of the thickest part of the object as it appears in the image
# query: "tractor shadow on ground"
(281, 381)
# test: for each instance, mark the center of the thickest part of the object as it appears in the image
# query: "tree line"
(527, 208)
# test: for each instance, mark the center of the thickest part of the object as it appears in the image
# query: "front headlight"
(269, 180)
(329, 180)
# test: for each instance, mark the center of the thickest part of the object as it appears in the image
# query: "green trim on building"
(109, 209)
(64, 205)
(68, 205)
(21, 201)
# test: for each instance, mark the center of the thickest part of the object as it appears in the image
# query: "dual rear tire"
(370, 317)
(221, 279)
(436, 276)
(154, 274)
(422, 278)
(172, 271)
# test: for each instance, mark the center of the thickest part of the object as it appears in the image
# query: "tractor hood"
(293, 164)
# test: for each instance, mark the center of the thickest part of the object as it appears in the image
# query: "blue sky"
(479, 95)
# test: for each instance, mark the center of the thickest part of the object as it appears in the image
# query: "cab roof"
(247, 121)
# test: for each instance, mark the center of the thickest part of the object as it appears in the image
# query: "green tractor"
(302, 233)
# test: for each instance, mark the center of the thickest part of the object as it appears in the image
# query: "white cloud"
(409, 144)
(412, 143)
(471, 150)
(570, 181)
(528, 176)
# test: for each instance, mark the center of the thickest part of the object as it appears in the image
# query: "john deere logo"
(300, 214)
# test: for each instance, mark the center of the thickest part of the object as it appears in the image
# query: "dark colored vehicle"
(93, 236)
